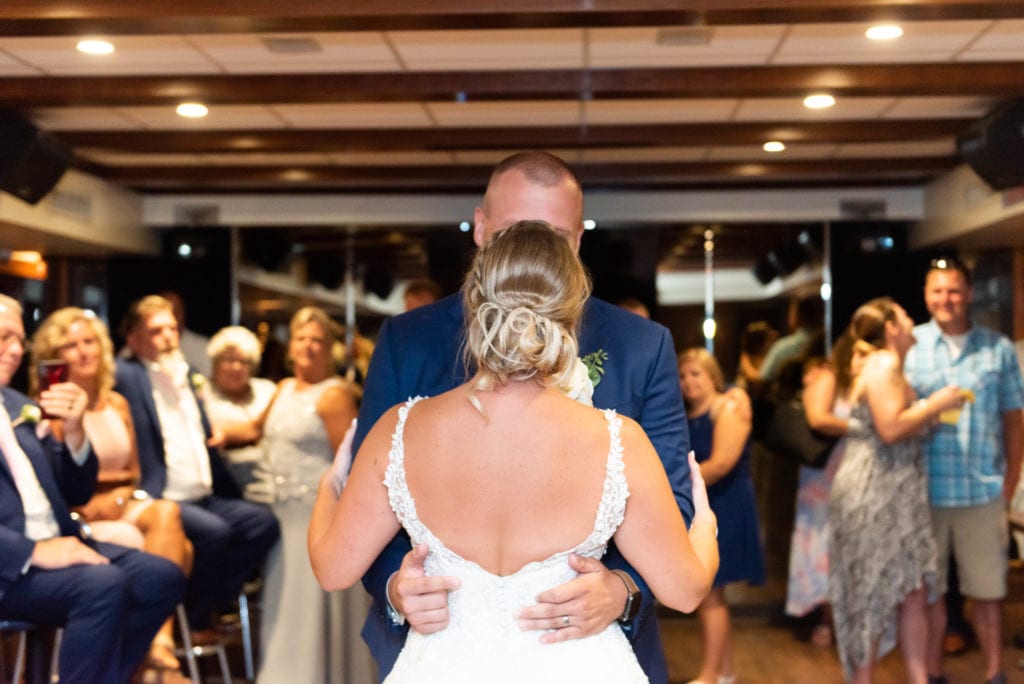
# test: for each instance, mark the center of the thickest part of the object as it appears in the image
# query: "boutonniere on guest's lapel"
(198, 381)
(33, 415)
(594, 363)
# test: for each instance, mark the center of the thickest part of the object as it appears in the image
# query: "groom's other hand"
(591, 601)
(422, 600)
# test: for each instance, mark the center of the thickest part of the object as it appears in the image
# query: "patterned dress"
(880, 545)
(808, 550)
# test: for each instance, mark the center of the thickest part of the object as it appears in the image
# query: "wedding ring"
(565, 621)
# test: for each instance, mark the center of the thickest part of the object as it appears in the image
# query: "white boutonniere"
(586, 375)
(33, 415)
(198, 381)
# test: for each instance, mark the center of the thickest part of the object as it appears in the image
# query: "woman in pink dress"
(118, 512)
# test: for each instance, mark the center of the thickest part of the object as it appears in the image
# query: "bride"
(503, 478)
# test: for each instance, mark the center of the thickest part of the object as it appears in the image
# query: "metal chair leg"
(186, 642)
(58, 637)
(19, 658)
(245, 619)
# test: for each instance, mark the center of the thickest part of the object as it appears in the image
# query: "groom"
(418, 353)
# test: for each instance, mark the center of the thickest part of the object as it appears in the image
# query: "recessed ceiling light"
(819, 101)
(192, 110)
(95, 46)
(774, 146)
(884, 32)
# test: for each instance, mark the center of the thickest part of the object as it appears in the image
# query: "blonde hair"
(522, 300)
(703, 358)
(867, 326)
(53, 334)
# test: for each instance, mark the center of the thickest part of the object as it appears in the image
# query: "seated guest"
(117, 512)
(231, 537)
(235, 396)
(109, 599)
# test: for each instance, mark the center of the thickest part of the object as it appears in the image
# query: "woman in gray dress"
(882, 557)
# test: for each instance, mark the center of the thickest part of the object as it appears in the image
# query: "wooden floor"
(769, 652)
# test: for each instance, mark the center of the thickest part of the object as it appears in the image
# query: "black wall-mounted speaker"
(31, 162)
(994, 146)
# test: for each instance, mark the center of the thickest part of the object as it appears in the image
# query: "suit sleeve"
(382, 391)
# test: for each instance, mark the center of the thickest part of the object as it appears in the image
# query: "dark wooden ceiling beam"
(218, 177)
(114, 17)
(455, 139)
(995, 79)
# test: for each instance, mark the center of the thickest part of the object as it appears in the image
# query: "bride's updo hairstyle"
(522, 300)
(868, 323)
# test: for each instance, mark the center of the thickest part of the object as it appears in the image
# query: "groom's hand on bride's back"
(421, 600)
(591, 601)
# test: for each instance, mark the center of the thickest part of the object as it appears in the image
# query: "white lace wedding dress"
(483, 643)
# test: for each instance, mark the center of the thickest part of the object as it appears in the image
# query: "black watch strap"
(633, 597)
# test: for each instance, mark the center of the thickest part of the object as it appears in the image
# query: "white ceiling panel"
(1002, 42)
(115, 158)
(846, 43)
(792, 109)
(658, 111)
(339, 52)
(641, 47)
(220, 117)
(9, 66)
(267, 159)
(383, 114)
(527, 113)
(938, 107)
(132, 55)
(83, 119)
(488, 50)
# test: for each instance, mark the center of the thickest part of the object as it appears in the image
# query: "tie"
(39, 520)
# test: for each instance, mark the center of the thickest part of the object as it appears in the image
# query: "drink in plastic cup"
(952, 416)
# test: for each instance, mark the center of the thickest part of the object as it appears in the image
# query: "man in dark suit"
(230, 537)
(417, 353)
(110, 600)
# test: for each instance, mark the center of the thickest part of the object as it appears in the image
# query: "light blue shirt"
(966, 462)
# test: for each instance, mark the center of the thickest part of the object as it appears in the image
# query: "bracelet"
(633, 597)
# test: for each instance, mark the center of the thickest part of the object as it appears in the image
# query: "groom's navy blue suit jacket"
(419, 353)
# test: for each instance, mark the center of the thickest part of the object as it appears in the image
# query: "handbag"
(789, 434)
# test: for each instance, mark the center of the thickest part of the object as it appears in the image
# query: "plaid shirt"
(966, 461)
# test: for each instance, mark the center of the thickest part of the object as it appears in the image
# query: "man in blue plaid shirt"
(974, 463)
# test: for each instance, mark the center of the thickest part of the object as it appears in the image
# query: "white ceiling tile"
(657, 111)
(490, 50)
(846, 43)
(9, 66)
(639, 47)
(1003, 42)
(599, 155)
(512, 113)
(939, 107)
(755, 153)
(132, 55)
(792, 109)
(340, 52)
(918, 148)
(220, 117)
(82, 119)
(354, 115)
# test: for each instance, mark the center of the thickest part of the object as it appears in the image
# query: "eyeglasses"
(950, 263)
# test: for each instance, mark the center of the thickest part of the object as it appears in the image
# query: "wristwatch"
(633, 597)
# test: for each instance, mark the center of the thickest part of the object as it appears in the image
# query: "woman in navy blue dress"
(720, 436)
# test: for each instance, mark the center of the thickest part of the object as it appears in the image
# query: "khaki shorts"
(980, 542)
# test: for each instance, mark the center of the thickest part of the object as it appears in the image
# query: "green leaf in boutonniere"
(595, 365)
(30, 413)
